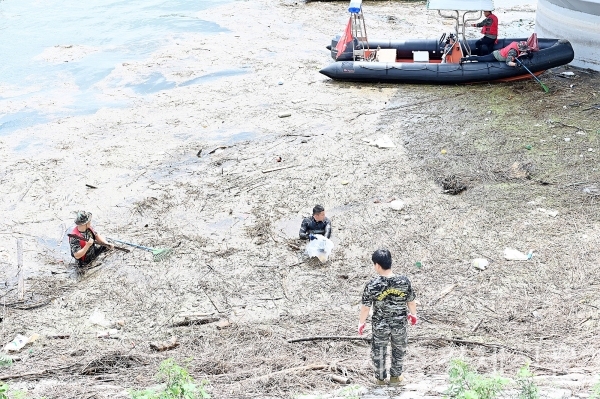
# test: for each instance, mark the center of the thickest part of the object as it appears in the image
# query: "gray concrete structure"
(575, 20)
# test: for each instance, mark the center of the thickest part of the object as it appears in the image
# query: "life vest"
(493, 28)
(505, 50)
(82, 240)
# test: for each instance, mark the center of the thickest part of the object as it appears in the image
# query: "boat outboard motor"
(348, 54)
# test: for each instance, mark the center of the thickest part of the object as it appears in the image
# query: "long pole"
(535, 77)
(21, 286)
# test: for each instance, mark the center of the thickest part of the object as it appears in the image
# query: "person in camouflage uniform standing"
(390, 296)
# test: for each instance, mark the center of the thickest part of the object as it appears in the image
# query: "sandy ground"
(188, 168)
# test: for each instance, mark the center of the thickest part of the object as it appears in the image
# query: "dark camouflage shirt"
(487, 22)
(76, 246)
(510, 57)
(311, 226)
(388, 296)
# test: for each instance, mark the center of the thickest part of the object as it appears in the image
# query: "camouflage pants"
(385, 332)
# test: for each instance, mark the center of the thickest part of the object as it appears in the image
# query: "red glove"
(361, 328)
(412, 319)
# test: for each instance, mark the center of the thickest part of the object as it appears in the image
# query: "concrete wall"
(575, 20)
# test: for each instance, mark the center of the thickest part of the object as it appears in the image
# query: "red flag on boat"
(345, 39)
(532, 42)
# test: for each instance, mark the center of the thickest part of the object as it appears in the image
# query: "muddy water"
(59, 51)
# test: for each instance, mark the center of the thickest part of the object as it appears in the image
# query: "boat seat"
(386, 55)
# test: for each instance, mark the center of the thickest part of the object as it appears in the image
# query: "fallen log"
(7, 377)
(326, 338)
(467, 342)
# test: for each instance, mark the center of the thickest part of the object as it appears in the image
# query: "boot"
(380, 382)
(395, 381)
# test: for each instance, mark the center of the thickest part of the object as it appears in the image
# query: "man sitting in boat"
(507, 54)
(489, 28)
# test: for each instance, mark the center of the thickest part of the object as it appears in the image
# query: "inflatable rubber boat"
(436, 61)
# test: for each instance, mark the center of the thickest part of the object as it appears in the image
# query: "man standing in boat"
(507, 54)
(489, 28)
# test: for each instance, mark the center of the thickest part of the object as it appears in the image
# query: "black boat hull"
(553, 53)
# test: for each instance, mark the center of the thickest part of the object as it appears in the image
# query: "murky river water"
(110, 32)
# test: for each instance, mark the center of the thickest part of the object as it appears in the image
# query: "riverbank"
(196, 168)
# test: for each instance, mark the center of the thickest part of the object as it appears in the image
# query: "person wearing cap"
(84, 249)
(507, 54)
(318, 223)
(393, 301)
(489, 28)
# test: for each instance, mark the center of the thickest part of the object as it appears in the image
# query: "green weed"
(350, 392)
(527, 389)
(179, 384)
(595, 389)
(466, 383)
(5, 361)
(4, 393)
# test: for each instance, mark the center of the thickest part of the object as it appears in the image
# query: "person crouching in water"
(390, 296)
(508, 54)
(83, 248)
(317, 224)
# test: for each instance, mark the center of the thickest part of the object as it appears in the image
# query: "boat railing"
(460, 22)
(361, 49)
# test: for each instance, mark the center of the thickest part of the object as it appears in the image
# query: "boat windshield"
(461, 5)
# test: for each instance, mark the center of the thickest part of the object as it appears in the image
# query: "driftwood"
(58, 336)
(21, 292)
(290, 371)
(190, 321)
(467, 342)
(279, 168)
(7, 377)
(555, 371)
(340, 379)
(324, 338)
(27, 304)
(164, 345)
(416, 339)
(477, 325)
(444, 292)
(111, 362)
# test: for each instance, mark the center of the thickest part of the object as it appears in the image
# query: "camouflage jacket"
(311, 226)
(388, 296)
(76, 246)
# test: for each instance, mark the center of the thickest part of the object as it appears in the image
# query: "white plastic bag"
(321, 248)
(99, 319)
(513, 254)
(480, 263)
(16, 344)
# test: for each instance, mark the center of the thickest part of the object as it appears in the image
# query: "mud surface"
(190, 167)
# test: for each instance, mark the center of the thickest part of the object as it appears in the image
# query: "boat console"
(462, 12)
